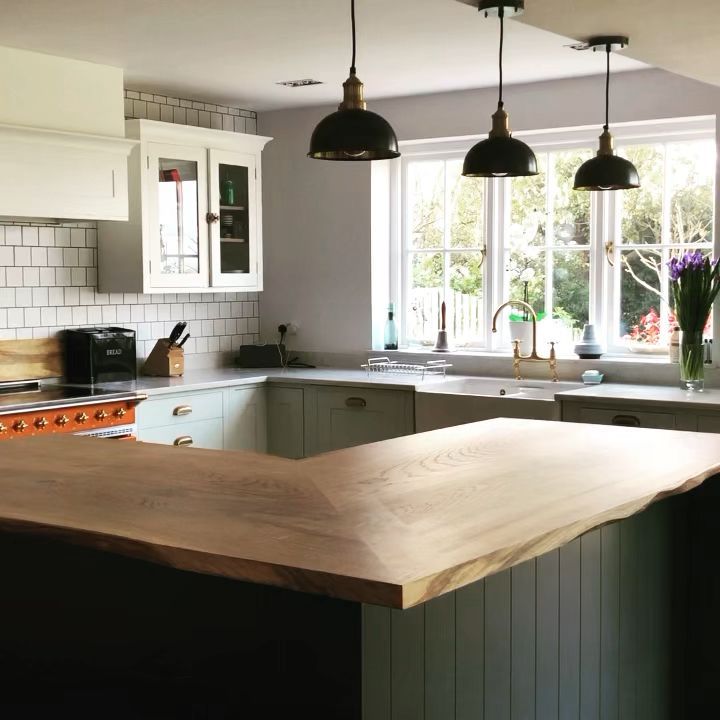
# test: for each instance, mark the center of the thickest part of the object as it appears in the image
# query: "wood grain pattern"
(30, 359)
(394, 523)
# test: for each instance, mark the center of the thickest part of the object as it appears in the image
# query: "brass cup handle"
(212, 218)
(183, 441)
(41, 423)
(182, 410)
(626, 421)
(356, 402)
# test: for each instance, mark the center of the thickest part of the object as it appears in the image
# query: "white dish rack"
(386, 366)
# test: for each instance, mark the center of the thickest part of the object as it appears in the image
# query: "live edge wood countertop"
(394, 523)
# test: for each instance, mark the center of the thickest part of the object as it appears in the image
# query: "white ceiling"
(233, 52)
(682, 36)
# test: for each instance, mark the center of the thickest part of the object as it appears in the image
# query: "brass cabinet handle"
(101, 415)
(62, 420)
(20, 426)
(626, 421)
(182, 410)
(41, 423)
(211, 218)
(183, 440)
(356, 402)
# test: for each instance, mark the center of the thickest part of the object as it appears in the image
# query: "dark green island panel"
(620, 624)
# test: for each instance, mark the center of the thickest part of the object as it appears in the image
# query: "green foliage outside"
(553, 230)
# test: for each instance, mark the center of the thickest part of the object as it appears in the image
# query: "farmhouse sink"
(455, 401)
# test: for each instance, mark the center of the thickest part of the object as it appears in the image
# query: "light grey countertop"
(645, 394)
(195, 380)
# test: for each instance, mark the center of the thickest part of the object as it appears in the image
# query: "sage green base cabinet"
(285, 422)
(192, 419)
(592, 631)
(663, 417)
(342, 417)
(245, 418)
(232, 418)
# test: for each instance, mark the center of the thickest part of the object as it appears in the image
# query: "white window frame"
(604, 299)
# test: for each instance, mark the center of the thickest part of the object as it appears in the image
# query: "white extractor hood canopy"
(63, 153)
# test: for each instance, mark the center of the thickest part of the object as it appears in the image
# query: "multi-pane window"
(444, 252)
(575, 257)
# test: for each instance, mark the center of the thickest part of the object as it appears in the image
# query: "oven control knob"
(41, 423)
(20, 426)
(3, 428)
(100, 415)
(82, 417)
(121, 412)
(62, 420)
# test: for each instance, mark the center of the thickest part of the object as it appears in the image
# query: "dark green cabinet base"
(621, 624)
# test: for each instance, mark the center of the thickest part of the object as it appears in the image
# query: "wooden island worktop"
(394, 523)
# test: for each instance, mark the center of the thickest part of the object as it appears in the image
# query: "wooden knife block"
(165, 361)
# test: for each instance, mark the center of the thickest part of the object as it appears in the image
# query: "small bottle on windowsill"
(391, 333)
(674, 350)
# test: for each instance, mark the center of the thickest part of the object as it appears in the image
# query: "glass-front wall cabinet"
(195, 213)
(179, 258)
(233, 235)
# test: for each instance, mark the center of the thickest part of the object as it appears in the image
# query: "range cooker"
(34, 408)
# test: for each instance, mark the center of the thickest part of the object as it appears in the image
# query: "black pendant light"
(607, 171)
(501, 155)
(353, 132)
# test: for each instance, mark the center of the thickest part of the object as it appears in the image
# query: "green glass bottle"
(391, 333)
(228, 192)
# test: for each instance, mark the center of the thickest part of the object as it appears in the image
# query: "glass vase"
(692, 361)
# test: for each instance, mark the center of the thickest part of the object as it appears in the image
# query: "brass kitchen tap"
(533, 356)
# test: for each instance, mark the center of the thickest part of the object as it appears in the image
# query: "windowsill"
(633, 358)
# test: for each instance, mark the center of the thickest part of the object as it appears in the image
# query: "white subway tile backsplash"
(40, 296)
(47, 283)
(30, 236)
(38, 256)
(31, 276)
(14, 276)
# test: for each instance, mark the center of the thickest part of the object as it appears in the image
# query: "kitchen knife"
(177, 332)
(183, 341)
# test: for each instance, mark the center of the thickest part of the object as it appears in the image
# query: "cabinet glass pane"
(234, 219)
(178, 216)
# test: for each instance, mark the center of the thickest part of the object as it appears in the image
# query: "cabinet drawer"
(627, 418)
(708, 423)
(179, 409)
(199, 434)
(344, 417)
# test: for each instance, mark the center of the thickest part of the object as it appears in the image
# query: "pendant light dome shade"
(607, 171)
(353, 132)
(500, 155)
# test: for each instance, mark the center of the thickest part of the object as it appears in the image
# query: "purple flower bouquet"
(695, 285)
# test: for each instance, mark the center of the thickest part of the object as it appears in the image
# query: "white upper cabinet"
(195, 213)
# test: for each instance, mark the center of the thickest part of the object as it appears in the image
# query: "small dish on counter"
(592, 377)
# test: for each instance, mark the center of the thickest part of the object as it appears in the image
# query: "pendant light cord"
(501, 15)
(607, 89)
(352, 20)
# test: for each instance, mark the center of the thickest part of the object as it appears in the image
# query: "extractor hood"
(63, 154)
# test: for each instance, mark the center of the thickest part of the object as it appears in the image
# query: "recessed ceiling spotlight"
(300, 83)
